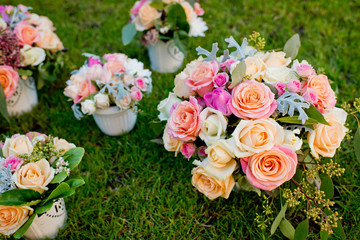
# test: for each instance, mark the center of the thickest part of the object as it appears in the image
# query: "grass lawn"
(134, 188)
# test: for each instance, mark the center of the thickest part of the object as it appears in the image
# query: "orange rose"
(49, 40)
(8, 80)
(26, 33)
(13, 217)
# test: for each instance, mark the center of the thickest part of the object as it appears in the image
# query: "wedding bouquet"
(114, 80)
(28, 48)
(259, 120)
(165, 20)
(35, 170)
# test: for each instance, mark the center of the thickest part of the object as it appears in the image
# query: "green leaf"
(244, 184)
(1, 153)
(357, 144)
(3, 108)
(313, 113)
(292, 46)
(287, 229)
(68, 193)
(59, 177)
(40, 83)
(302, 230)
(22, 230)
(75, 182)
(238, 74)
(278, 218)
(176, 18)
(24, 72)
(323, 235)
(128, 33)
(308, 162)
(157, 4)
(327, 185)
(179, 44)
(57, 192)
(74, 156)
(295, 120)
(45, 208)
(18, 197)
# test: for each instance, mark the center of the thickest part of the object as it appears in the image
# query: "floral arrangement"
(35, 170)
(114, 80)
(165, 20)
(28, 48)
(259, 120)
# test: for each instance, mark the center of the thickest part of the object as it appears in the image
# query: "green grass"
(134, 188)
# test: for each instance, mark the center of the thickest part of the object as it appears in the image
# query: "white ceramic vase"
(165, 57)
(113, 122)
(24, 98)
(48, 224)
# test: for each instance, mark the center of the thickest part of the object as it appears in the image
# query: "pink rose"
(21, 7)
(94, 61)
(226, 65)
(325, 95)
(8, 80)
(15, 163)
(86, 89)
(221, 79)
(201, 101)
(32, 135)
(115, 67)
(117, 57)
(184, 122)
(201, 79)
(304, 69)
(188, 149)
(269, 169)
(280, 87)
(310, 96)
(136, 8)
(140, 83)
(294, 86)
(1, 144)
(26, 33)
(201, 151)
(252, 100)
(198, 10)
(219, 99)
(136, 94)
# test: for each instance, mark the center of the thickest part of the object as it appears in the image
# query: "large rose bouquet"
(35, 170)
(114, 80)
(28, 48)
(259, 120)
(166, 19)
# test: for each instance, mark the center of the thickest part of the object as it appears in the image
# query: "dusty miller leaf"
(210, 56)
(289, 102)
(240, 52)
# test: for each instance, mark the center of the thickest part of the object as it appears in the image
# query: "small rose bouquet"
(165, 20)
(28, 48)
(35, 170)
(259, 120)
(114, 80)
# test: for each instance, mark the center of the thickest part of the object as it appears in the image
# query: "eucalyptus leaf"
(238, 74)
(22, 230)
(357, 144)
(292, 46)
(302, 230)
(244, 184)
(74, 156)
(313, 113)
(3, 108)
(128, 32)
(59, 177)
(278, 218)
(327, 185)
(287, 229)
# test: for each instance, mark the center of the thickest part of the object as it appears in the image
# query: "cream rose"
(255, 66)
(283, 74)
(276, 59)
(291, 141)
(325, 140)
(171, 144)
(62, 144)
(213, 125)
(124, 103)
(88, 106)
(165, 106)
(49, 40)
(255, 136)
(17, 146)
(181, 89)
(146, 17)
(34, 175)
(210, 186)
(219, 154)
(32, 55)
(102, 100)
(13, 217)
(45, 23)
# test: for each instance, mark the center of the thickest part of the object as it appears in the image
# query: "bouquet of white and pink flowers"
(28, 48)
(35, 170)
(259, 120)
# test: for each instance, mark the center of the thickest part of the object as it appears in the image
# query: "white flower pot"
(113, 122)
(165, 57)
(24, 98)
(48, 224)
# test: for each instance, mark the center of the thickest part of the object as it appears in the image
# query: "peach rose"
(181, 89)
(8, 80)
(210, 186)
(16, 146)
(49, 40)
(115, 67)
(325, 139)
(124, 103)
(271, 168)
(276, 59)
(171, 144)
(26, 33)
(62, 144)
(325, 95)
(146, 17)
(201, 79)
(34, 175)
(13, 217)
(86, 89)
(184, 122)
(255, 136)
(45, 23)
(252, 100)
(189, 11)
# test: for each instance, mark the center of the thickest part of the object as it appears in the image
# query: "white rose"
(102, 100)
(283, 74)
(181, 89)
(3, 24)
(34, 19)
(171, 144)
(17, 146)
(62, 144)
(88, 106)
(165, 106)
(71, 91)
(213, 125)
(32, 55)
(291, 141)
